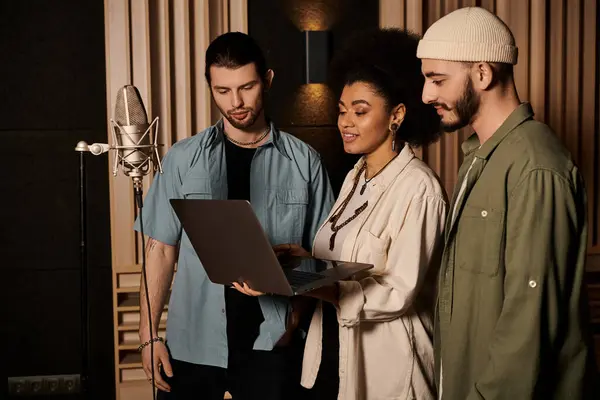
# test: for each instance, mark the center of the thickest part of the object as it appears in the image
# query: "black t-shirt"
(244, 314)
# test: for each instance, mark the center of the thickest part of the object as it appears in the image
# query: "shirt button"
(532, 283)
(223, 310)
(484, 213)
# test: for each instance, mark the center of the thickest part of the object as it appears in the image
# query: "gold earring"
(393, 128)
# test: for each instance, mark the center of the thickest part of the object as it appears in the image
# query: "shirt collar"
(521, 114)
(392, 170)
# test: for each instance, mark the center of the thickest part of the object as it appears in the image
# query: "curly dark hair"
(386, 59)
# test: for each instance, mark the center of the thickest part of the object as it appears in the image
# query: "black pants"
(251, 374)
(328, 379)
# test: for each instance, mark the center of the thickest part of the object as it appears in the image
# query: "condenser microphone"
(133, 137)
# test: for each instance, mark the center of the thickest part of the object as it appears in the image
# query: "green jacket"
(511, 317)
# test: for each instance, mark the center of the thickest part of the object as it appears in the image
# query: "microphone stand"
(82, 148)
(136, 169)
(138, 189)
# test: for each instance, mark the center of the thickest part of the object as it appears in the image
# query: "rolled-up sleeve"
(387, 296)
(160, 221)
(321, 201)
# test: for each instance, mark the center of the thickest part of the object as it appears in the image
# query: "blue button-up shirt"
(291, 196)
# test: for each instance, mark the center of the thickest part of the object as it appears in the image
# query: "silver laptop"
(233, 247)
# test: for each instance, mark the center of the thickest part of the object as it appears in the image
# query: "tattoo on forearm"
(151, 245)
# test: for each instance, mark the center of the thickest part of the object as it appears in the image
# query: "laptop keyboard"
(300, 278)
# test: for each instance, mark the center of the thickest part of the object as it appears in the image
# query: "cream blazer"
(385, 315)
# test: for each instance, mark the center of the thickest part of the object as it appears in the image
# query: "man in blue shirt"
(220, 339)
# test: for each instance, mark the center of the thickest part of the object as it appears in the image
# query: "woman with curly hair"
(390, 213)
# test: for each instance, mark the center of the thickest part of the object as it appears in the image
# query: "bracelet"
(153, 340)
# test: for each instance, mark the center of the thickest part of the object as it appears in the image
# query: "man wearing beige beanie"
(512, 318)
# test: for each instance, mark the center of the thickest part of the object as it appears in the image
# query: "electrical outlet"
(36, 385)
(70, 383)
(52, 385)
(17, 386)
(44, 385)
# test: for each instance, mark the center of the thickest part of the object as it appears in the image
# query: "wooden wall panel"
(181, 64)
(572, 74)
(520, 22)
(238, 16)
(392, 13)
(161, 72)
(589, 114)
(537, 81)
(200, 41)
(118, 69)
(557, 72)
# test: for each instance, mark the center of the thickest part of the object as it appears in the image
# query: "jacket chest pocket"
(479, 240)
(292, 205)
(197, 188)
(371, 249)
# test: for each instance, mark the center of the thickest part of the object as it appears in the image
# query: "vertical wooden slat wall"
(590, 107)
(557, 72)
(158, 46)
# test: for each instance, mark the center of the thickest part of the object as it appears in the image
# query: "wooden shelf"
(132, 303)
(131, 326)
(131, 360)
(128, 269)
(128, 384)
(133, 375)
(129, 289)
(129, 308)
(129, 346)
(129, 304)
(124, 269)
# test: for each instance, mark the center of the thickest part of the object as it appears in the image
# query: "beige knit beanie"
(470, 34)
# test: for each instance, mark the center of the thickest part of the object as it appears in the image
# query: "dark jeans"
(251, 374)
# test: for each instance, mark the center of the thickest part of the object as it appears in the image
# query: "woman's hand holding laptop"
(327, 293)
